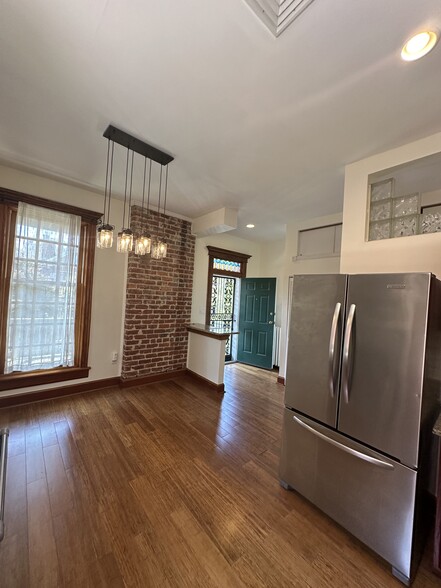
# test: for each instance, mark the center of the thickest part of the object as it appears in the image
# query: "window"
(229, 266)
(46, 265)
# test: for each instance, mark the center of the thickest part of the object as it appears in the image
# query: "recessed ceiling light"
(250, 226)
(419, 45)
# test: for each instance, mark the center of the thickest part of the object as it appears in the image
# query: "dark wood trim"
(206, 333)
(40, 377)
(128, 382)
(84, 294)
(12, 197)
(226, 273)
(437, 539)
(8, 215)
(90, 386)
(281, 380)
(209, 289)
(228, 254)
(218, 387)
(216, 252)
(17, 399)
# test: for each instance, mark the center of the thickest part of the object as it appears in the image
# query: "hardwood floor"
(168, 485)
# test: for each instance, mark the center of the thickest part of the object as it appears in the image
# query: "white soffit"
(219, 221)
(277, 15)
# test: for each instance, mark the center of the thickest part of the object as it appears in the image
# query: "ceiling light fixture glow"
(419, 45)
(250, 226)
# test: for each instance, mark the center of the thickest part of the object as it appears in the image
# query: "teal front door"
(256, 321)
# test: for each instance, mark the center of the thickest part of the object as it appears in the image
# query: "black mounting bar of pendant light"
(126, 140)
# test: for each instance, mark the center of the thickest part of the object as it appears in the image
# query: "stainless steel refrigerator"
(362, 393)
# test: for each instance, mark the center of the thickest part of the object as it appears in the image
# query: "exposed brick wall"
(158, 303)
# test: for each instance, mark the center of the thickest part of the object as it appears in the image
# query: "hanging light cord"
(148, 194)
(159, 202)
(110, 184)
(145, 217)
(130, 192)
(143, 197)
(125, 189)
(165, 201)
(107, 179)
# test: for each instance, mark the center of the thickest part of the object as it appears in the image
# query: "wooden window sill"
(25, 379)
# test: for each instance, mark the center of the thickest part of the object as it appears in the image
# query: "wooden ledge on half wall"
(209, 331)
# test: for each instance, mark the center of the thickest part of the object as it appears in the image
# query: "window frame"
(226, 255)
(9, 200)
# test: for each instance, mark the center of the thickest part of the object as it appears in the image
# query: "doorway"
(222, 308)
(225, 268)
(256, 322)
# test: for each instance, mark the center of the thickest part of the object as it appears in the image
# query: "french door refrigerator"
(362, 394)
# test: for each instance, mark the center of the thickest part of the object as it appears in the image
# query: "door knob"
(270, 322)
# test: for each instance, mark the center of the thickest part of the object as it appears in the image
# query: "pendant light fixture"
(157, 243)
(104, 231)
(143, 243)
(125, 236)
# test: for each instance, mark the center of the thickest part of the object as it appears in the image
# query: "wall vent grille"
(277, 15)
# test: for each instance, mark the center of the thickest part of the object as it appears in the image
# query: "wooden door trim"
(227, 255)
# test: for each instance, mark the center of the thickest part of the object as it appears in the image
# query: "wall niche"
(405, 200)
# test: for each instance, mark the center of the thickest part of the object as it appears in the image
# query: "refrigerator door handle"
(373, 460)
(331, 361)
(346, 350)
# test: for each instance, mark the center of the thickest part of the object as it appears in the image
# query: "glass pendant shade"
(159, 249)
(143, 245)
(155, 249)
(104, 236)
(125, 241)
(163, 249)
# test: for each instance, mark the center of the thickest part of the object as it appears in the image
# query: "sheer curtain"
(42, 298)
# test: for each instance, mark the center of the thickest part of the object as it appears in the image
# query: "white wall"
(271, 266)
(416, 253)
(322, 265)
(200, 276)
(109, 277)
(206, 357)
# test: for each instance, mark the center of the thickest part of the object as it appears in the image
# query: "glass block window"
(391, 215)
(404, 200)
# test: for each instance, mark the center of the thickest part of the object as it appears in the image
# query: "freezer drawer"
(371, 496)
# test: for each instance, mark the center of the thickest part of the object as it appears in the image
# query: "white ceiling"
(255, 122)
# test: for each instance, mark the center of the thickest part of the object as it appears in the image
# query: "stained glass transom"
(225, 265)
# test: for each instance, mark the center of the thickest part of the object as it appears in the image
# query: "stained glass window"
(225, 265)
